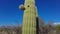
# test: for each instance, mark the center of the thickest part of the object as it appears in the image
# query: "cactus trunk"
(30, 24)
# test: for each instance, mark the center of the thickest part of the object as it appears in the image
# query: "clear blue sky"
(47, 9)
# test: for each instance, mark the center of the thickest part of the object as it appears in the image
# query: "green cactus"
(29, 17)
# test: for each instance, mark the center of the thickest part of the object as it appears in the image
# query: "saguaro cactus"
(30, 17)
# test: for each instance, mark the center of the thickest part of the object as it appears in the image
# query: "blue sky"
(47, 9)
